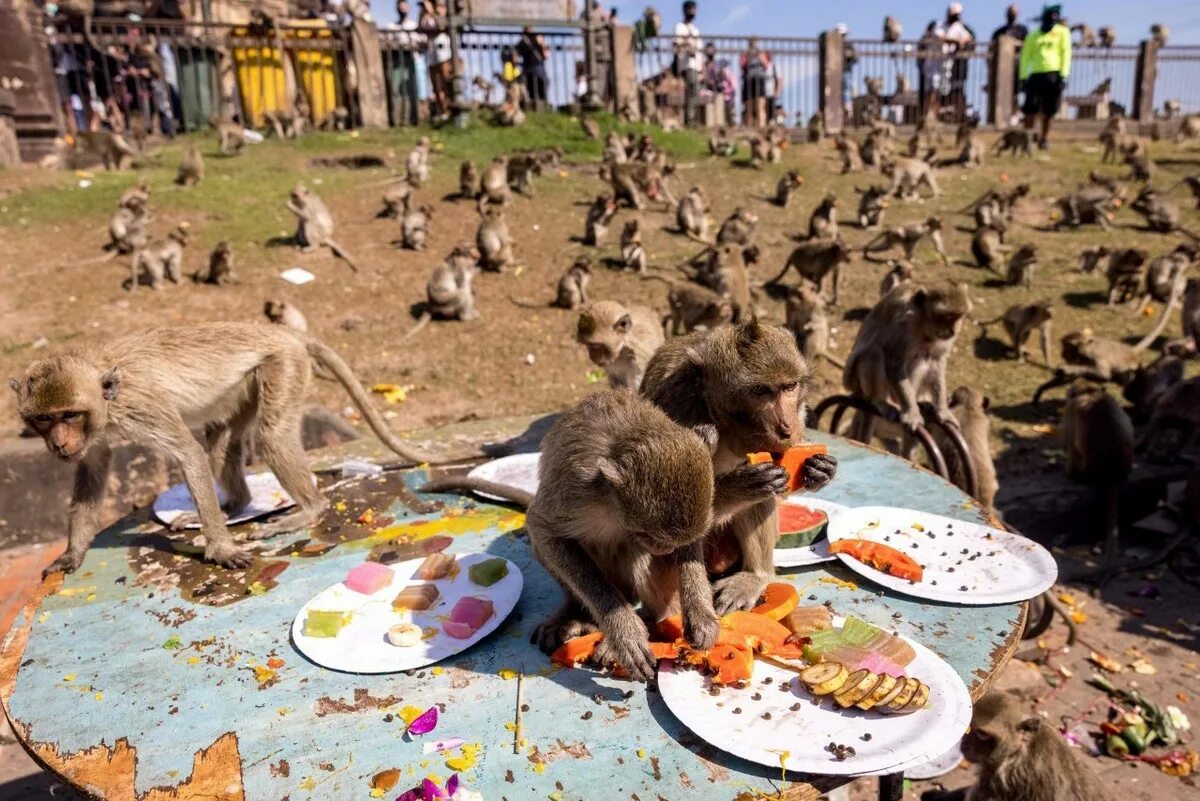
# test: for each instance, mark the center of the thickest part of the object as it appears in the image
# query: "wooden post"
(1002, 86)
(624, 68)
(1143, 84)
(832, 68)
(368, 62)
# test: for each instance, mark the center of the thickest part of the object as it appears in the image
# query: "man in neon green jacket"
(1045, 65)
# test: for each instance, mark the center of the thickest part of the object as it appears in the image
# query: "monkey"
(751, 383)
(850, 153)
(165, 259)
(633, 254)
(872, 202)
(816, 128)
(154, 386)
(337, 120)
(807, 320)
(738, 228)
(521, 169)
(285, 124)
(1192, 182)
(285, 314)
(395, 202)
(693, 307)
(449, 294)
(908, 175)
(113, 149)
(724, 270)
(620, 339)
(314, 224)
(629, 180)
(764, 148)
(126, 229)
(417, 163)
(1172, 432)
(987, 247)
(1191, 316)
(614, 149)
(691, 214)
(599, 216)
(414, 225)
(1093, 203)
(1163, 272)
(1021, 758)
(1160, 213)
(908, 237)
(136, 195)
(1189, 128)
(815, 261)
(1150, 383)
(788, 184)
(892, 30)
(493, 185)
(468, 180)
(1018, 141)
(822, 223)
(1087, 37)
(1114, 139)
(1141, 168)
(970, 407)
(1021, 266)
(572, 293)
(191, 167)
(493, 241)
(901, 273)
(1090, 258)
(485, 88)
(877, 148)
(1020, 320)
(721, 144)
(220, 267)
(1124, 273)
(231, 136)
(1108, 36)
(591, 128)
(901, 351)
(973, 149)
(1003, 200)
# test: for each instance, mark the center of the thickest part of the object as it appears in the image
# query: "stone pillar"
(1143, 82)
(624, 67)
(368, 63)
(10, 154)
(1002, 82)
(26, 69)
(832, 67)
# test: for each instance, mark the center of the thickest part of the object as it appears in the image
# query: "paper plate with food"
(388, 618)
(519, 470)
(940, 558)
(267, 496)
(803, 528)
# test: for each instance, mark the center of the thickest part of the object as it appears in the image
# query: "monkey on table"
(751, 383)
(620, 339)
(154, 387)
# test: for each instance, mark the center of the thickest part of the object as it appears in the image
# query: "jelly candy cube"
(416, 597)
(435, 566)
(324, 624)
(472, 611)
(368, 577)
(488, 572)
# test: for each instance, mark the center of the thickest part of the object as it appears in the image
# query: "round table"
(150, 675)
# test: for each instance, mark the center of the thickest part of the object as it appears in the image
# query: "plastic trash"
(358, 467)
(297, 276)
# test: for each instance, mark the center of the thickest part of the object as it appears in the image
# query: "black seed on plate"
(949, 570)
(933, 583)
(756, 697)
(896, 615)
(866, 738)
(794, 707)
(628, 694)
(714, 690)
(524, 707)
(768, 680)
(963, 588)
(737, 710)
(766, 715)
(587, 715)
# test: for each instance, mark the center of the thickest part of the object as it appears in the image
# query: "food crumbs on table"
(69, 677)
(963, 588)
(99, 696)
(768, 680)
(275, 663)
(766, 715)
(641, 753)
(436, 671)
(756, 697)
(539, 767)
(507, 673)
(737, 710)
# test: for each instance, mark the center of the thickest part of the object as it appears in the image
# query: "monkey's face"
(66, 402)
(977, 745)
(758, 398)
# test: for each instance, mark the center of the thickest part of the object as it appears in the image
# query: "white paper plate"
(998, 567)
(519, 470)
(266, 497)
(362, 646)
(819, 550)
(896, 740)
(938, 766)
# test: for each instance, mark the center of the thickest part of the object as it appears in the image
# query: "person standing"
(930, 61)
(434, 26)
(1045, 65)
(533, 53)
(960, 41)
(1012, 29)
(689, 59)
(718, 79)
(756, 69)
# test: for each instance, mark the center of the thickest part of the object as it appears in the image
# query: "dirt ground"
(516, 360)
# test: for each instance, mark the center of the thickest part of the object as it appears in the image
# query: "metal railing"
(915, 77)
(1093, 66)
(1178, 77)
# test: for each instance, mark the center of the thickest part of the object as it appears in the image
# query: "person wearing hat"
(1045, 65)
(959, 40)
(689, 59)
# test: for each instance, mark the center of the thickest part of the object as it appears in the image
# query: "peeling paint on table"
(149, 675)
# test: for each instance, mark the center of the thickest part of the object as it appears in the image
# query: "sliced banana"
(882, 703)
(857, 687)
(404, 635)
(919, 700)
(824, 678)
(885, 685)
(906, 695)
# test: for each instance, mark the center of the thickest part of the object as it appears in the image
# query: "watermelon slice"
(800, 526)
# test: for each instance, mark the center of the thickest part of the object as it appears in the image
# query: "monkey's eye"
(762, 391)
(43, 419)
(71, 415)
(790, 386)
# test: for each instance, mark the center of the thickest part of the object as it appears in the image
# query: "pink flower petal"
(410, 795)
(431, 790)
(452, 784)
(442, 745)
(425, 722)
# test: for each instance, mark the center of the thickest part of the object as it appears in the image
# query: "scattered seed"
(963, 588)
(756, 697)
(866, 738)
(949, 570)
(737, 710)
(794, 707)
(388, 718)
(524, 707)
(628, 694)
(766, 715)
(587, 715)
(768, 680)
(714, 690)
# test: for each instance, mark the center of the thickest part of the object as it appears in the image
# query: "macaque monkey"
(1160, 34)
(724, 270)
(448, 293)
(901, 273)
(417, 164)
(521, 169)
(892, 30)
(1093, 203)
(599, 216)
(908, 237)
(285, 314)
(872, 202)
(908, 175)
(631, 179)
(988, 248)
(136, 195)
(751, 383)
(788, 184)
(1160, 213)
(220, 266)
(1021, 758)
(850, 152)
(493, 186)
(620, 339)
(285, 123)
(314, 224)
(573, 285)
(901, 352)
(876, 149)
(158, 261)
(1163, 274)
(738, 228)
(1087, 37)
(1114, 139)
(693, 307)
(807, 320)
(1192, 182)
(1107, 36)
(973, 149)
(1021, 266)
(691, 215)
(764, 148)
(614, 149)
(1191, 316)
(970, 408)
(1002, 200)
(816, 128)
(414, 225)
(822, 223)
(720, 143)
(468, 180)
(113, 150)
(1141, 168)
(154, 387)
(1173, 430)
(485, 88)
(591, 128)
(1021, 320)
(633, 254)
(230, 136)
(127, 229)
(1017, 140)
(395, 202)
(191, 167)
(817, 260)
(493, 241)
(1090, 258)
(1125, 270)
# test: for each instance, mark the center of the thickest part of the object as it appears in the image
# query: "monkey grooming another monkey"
(159, 261)
(314, 224)
(908, 237)
(1020, 320)
(807, 320)
(285, 314)
(220, 267)
(620, 339)
(154, 387)
(493, 241)
(751, 383)
(599, 216)
(191, 167)
(815, 261)
(787, 186)
(633, 254)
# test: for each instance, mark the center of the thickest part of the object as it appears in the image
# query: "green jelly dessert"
(324, 624)
(488, 572)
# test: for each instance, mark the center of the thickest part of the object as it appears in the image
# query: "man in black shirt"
(532, 51)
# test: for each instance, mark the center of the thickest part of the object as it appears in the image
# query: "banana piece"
(824, 678)
(882, 690)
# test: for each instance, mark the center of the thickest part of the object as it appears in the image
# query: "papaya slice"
(778, 601)
(792, 460)
(730, 665)
(670, 628)
(576, 650)
(770, 634)
(881, 557)
(666, 650)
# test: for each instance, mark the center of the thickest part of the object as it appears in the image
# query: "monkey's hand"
(701, 630)
(748, 483)
(912, 420)
(947, 419)
(738, 592)
(819, 470)
(67, 563)
(627, 643)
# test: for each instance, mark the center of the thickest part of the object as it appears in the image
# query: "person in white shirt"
(689, 59)
(959, 40)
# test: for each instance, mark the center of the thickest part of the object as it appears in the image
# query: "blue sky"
(806, 18)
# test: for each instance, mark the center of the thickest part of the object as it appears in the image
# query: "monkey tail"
(1172, 302)
(328, 358)
(421, 323)
(657, 277)
(459, 483)
(341, 253)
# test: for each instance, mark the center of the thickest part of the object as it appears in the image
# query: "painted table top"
(150, 675)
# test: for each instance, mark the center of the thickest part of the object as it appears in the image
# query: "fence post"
(831, 76)
(1143, 83)
(624, 68)
(368, 63)
(591, 97)
(1002, 86)
(459, 109)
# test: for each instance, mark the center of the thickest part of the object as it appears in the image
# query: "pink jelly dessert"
(368, 577)
(459, 631)
(472, 611)
(435, 566)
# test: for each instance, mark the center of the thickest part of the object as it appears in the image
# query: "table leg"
(891, 787)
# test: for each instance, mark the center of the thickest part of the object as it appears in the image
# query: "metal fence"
(914, 76)
(1092, 67)
(482, 50)
(1178, 77)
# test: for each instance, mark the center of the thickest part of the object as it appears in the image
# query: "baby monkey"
(599, 217)
(633, 253)
(220, 267)
(787, 186)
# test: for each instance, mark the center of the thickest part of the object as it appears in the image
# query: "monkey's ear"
(15, 384)
(987, 403)
(610, 472)
(110, 384)
(747, 334)
(919, 298)
(709, 435)
(623, 324)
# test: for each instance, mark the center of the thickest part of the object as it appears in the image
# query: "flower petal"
(442, 745)
(431, 790)
(425, 722)
(410, 795)
(452, 784)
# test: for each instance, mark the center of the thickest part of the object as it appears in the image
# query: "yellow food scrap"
(437, 671)
(193, 660)
(508, 673)
(282, 711)
(539, 767)
(340, 506)
(308, 785)
(376, 792)
(393, 393)
(263, 674)
(69, 677)
(91, 596)
(410, 713)
(641, 753)
(367, 517)
(837, 582)
(99, 696)
(510, 726)
(470, 752)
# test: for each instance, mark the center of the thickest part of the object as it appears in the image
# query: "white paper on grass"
(297, 276)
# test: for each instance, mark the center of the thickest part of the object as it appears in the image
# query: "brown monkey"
(1107, 36)
(850, 152)
(630, 180)
(1018, 141)
(1004, 200)
(599, 216)
(765, 148)
(693, 307)
(521, 169)
(414, 225)
(751, 383)
(152, 387)
(970, 408)
(633, 254)
(493, 241)
(395, 202)
(1141, 168)
(1160, 213)
(720, 143)
(417, 163)
(1173, 430)
(231, 136)
(1087, 37)
(908, 237)
(614, 149)
(738, 228)
(621, 339)
(285, 314)
(493, 185)
(788, 184)
(1126, 267)
(872, 202)
(988, 248)
(822, 223)
(1113, 137)
(1094, 203)
(1190, 342)
(901, 352)
(877, 148)
(191, 167)
(138, 194)
(126, 229)
(1019, 321)
(164, 259)
(285, 124)
(892, 31)
(220, 266)
(1192, 182)
(816, 128)
(908, 174)
(691, 215)
(113, 149)
(901, 273)
(572, 293)
(591, 128)
(1089, 258)
(468, 180)
(807, 320)
(448, 293)
(1021, 266)
(724, 270)
(815, 261)
(314, 224)
(1021, 758)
